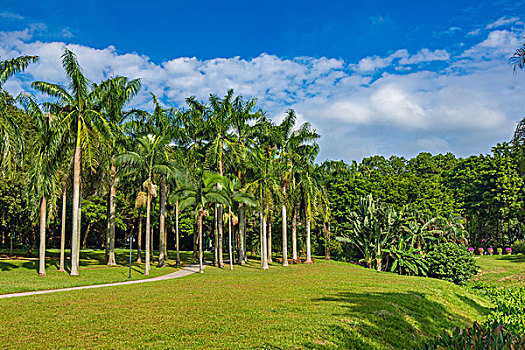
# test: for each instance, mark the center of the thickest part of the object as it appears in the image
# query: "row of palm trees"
(223, 159)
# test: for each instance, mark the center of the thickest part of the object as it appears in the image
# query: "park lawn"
(21, 275)
(502, 270)
(327, 305)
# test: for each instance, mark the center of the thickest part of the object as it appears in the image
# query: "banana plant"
(407, 259)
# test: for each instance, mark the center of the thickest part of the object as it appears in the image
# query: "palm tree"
(199, 189)
(115, 94)
(518, 58)
(11, 142)
(43, 176)
(236, 194)
(149, 158)
(76, 109)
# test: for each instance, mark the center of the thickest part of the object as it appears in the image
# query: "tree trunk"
(148, 231)
(327, 247)
(63, 233)
(269, 234)
(75, 237)
(264, 255)
(84, 241)
(42, 247)
(220, 236)
(216, 239)
(162, 242)
(112, 213)
(285, 236)
(177, 231)
(139, 238)
(201, 212)
(230, 236)
(308, 245)
(294, 231)
(242, 229)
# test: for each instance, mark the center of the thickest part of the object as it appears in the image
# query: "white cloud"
(502, 21)
(10, 15)
(465, 108)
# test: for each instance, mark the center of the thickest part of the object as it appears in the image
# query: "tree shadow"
(397, 320)
(511, 258)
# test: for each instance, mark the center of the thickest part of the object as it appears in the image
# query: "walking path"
(185, 271)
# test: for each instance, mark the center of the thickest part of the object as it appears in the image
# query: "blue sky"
(374, 77)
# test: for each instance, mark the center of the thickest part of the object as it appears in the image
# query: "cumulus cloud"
(465, 107)
(502, 21)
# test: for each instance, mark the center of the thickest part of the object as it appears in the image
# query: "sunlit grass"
(327, 305)
(502, 270)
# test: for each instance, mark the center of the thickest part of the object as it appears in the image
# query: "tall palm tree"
(149, 158)
(518, 58)
(11, 142)
(199, 189)
(76, 108)
(115, 94)
(47, 146)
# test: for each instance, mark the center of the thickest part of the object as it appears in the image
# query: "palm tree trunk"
(308, 245)
(75, 237)
(112, 213)
(264, 255)
(139, 238)
(63, 233)
(148, 231)
(285, 237)
(294, 231)
(242, 229)
(162, 242)
(220, 236)
(84, 241)
(230, 236)
(201, 212)
(327, 247)
(269, 234)
(42, 247)
(177, 231)
(216, 238)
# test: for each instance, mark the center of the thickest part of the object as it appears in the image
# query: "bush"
(510, 307)
(451, 262)
(519, 246)
(476, 337)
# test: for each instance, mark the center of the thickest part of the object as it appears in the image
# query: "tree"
(77, 110)
(43, 175)
(115, 94)
(11, 142)
(149, 158)
(198, 189)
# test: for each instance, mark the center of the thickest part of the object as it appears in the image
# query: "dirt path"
(188, 270)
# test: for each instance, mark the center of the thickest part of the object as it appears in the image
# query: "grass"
(502, 270)
(20, 275)
(327, 305)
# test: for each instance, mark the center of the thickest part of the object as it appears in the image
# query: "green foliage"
(407, 260)
(518, 246)
(510, 306)
(476, 337)
(450, 262)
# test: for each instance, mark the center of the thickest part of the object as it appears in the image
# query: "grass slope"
(327, 305)
(502, 270)
(20, 275)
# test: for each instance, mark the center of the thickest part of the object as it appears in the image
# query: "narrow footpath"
(185, 271)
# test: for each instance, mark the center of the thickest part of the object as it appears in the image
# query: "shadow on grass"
(396, 320)
(511, 258)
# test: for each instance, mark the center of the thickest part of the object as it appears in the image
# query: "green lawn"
(327, 305)
(20, 275)
(502, 270)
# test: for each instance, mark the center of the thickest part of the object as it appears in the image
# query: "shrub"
(500, 250)
(476, 337)
(519, 246)
(451, 262)
(510, 307)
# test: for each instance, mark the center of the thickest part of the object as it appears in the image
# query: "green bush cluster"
(476, 337)
(518, 247)
(451, 262)
(510, 307)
